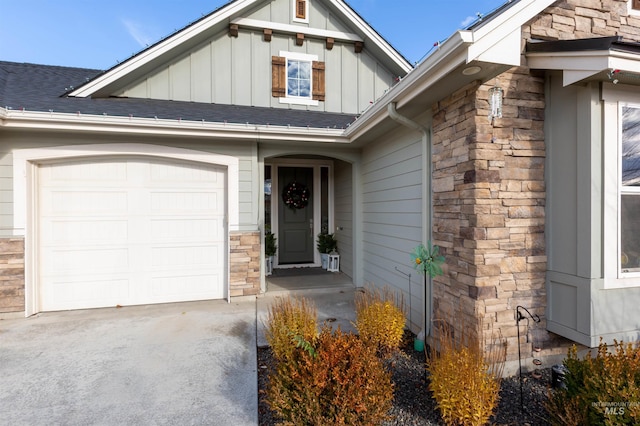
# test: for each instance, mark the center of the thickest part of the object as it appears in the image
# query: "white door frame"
(25, 193)
(317, 208)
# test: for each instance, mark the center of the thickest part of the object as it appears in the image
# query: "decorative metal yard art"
(427, 261)
(519, 317)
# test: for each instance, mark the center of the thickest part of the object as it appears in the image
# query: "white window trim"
(630, 9)
(615, 98)
(294, 18)
(293, 99)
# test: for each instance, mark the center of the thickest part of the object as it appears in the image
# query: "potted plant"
(326, 244)
(270, 248)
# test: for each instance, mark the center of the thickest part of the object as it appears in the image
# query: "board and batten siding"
(392, 216)
(343, 207)
(248, 172)
(237, 70)
(578, 304)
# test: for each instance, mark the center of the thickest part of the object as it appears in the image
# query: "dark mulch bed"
(413, 404)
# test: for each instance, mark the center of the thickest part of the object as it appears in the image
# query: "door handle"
(311, 227)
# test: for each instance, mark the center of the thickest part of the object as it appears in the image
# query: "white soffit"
(577, 66)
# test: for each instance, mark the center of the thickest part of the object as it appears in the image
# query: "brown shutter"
(317, 79)
(301, 9)
(635, 4)
(278, 76)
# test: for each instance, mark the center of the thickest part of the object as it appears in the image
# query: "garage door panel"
(174, 288)
(200, 202)
(169, 173)
(186, 257)
(74, 232)
(130, 231)
(84, 261)
(190, 229)
(89, 173)
(88, 294)
(86, 202)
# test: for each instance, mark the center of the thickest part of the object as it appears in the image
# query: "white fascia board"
(506, 51)
(372, 35)
(451, 54)
(296, 29)
(154, 52)
(148, 126)
(498, 41)
(577, 66)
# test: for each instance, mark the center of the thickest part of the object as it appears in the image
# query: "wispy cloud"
(138, 33)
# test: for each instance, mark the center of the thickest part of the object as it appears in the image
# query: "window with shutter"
(635, 5)
(278, 76)
(318, 81)
(297, 78)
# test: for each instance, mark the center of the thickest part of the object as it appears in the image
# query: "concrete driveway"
(175, 364)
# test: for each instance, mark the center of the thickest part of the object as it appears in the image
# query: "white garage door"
(130, 231)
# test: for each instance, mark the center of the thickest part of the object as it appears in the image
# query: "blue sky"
(99, 33)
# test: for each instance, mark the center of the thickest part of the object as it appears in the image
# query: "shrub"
(270, 244)
(380, 319)
(337, 382)
(464, 382)
(289, 317)
(601, 390)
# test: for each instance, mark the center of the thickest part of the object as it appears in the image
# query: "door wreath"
(295, 196)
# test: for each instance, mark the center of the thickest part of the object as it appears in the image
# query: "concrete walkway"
(176, 364)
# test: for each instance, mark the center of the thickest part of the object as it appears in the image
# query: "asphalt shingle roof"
(43, 87)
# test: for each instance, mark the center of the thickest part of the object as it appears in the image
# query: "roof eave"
(34, 120)
(581, 65)
(451, 54)
(496, 41)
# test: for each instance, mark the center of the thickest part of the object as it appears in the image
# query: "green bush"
(464, 380)
(380, 320)
(604, 390)
(289, 317)
(336, 380)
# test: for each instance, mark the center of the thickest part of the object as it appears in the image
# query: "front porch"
(292, 279)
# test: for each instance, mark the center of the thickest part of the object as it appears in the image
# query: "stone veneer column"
(489, 205)
(12, 275)
(244, 263)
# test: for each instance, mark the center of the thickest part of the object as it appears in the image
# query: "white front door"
(128, 231)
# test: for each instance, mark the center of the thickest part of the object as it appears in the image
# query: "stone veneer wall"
(11, 275)
(489, 185)
(244, 263)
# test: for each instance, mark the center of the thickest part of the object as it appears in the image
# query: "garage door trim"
(25, 167)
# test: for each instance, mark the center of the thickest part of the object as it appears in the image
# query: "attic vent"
(300, 10)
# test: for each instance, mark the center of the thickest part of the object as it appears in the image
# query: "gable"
(229, 61)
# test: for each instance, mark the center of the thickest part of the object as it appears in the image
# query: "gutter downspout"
(426, 203)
